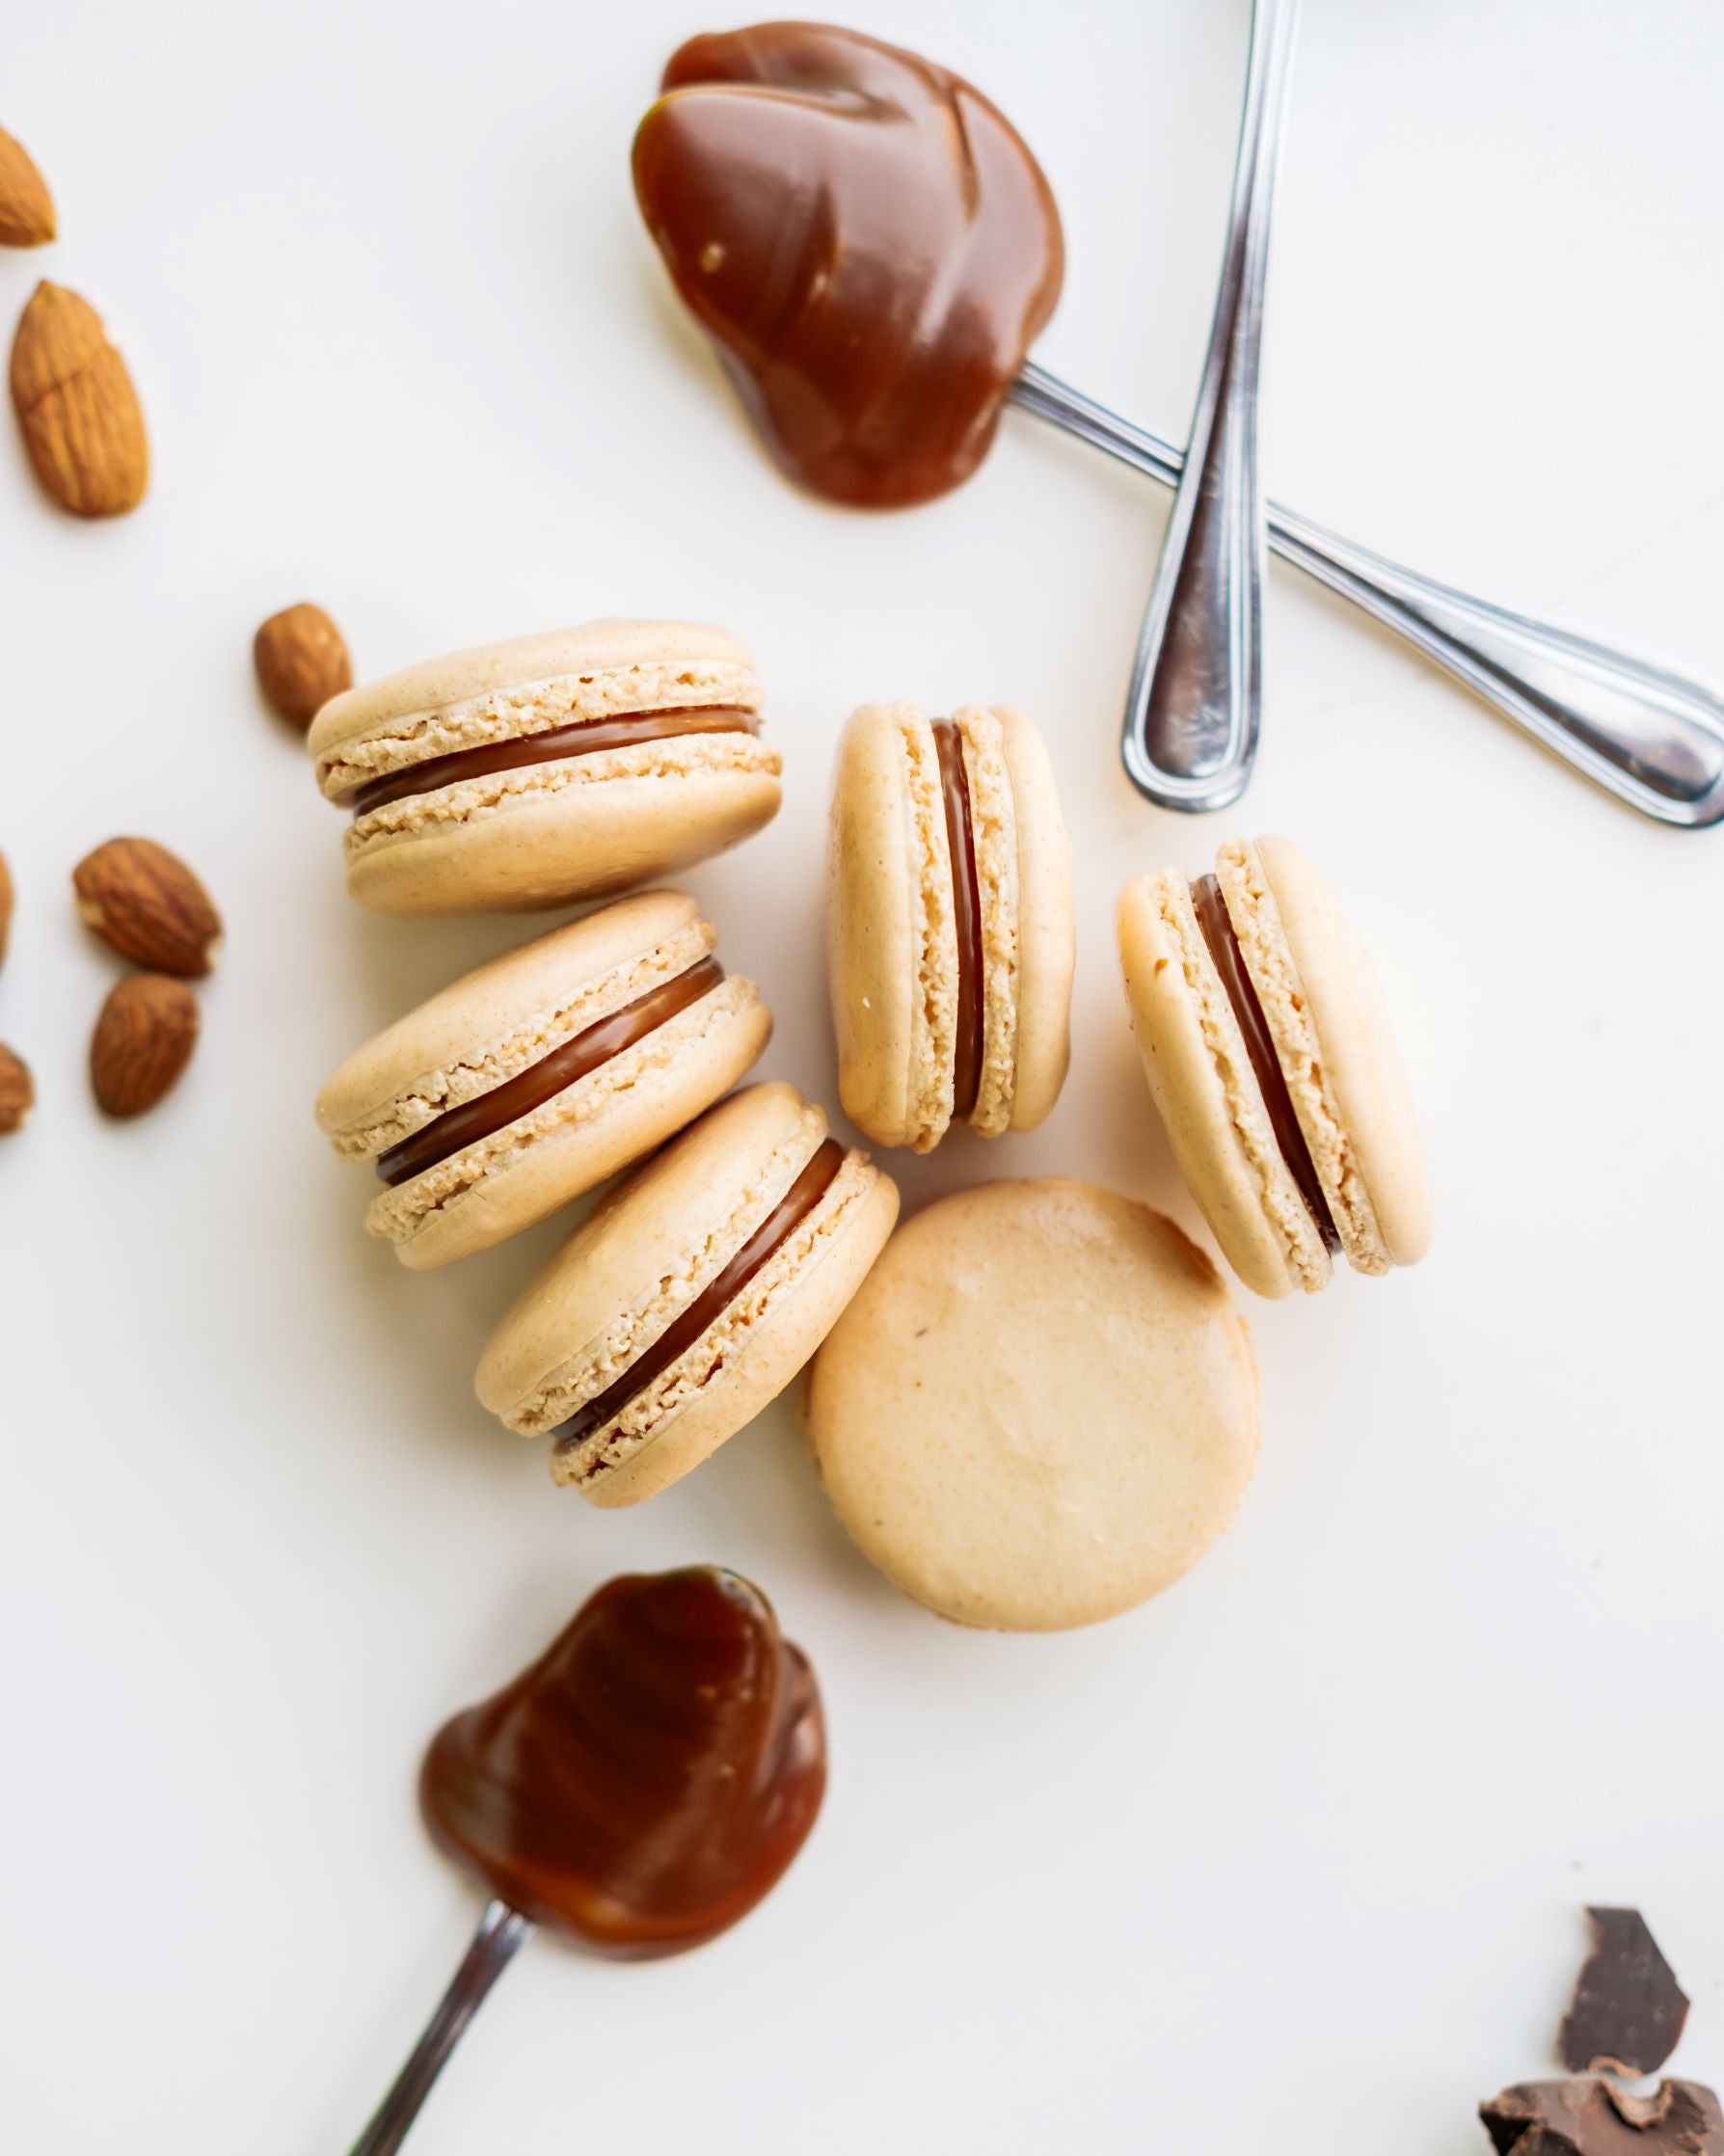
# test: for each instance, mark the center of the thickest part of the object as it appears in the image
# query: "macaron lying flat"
(690, 1298)
(521, 775)
(1269, 1053)
(949, 924)
(1040, 1408)
(541, 1073)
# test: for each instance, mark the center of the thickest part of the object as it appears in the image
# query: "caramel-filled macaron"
(1269, 1053)
(541, 1073)
(690, 1298)
(552, 768)
(949, 924)
(1039, 1409)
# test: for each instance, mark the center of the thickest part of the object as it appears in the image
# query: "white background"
(1292, 1859)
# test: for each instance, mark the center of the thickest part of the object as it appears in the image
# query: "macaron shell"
(1199, 1077)
(629, 1106)
(660, 1227)
(656, 1243)
(800, 1312)
(486, 669)
(1046, 928)
(994, 850)
(891, 939)
(1363, 1064)
(452, 1030)
(590, 836)
(1039, 1409)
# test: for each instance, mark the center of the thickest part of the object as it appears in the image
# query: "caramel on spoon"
(639, 1788)
(872, 249)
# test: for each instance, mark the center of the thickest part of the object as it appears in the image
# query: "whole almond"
(17, 1095)
(5, 906)
(26, 208)
(80, 415)
(301, 662)
(143, 1039)
(148, 905)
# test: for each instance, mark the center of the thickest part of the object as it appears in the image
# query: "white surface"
(1330, 1808)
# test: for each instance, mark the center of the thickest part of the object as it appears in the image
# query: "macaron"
(690, 1298)
(949, 924)
(1039, 1409)
(1269, 1054)
(522, 774)
(541, 1073)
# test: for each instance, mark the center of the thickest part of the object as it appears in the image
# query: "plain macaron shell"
(574, 828)
(891, 934)
(498, 1021)
(647, 1253)
(1324, 1010)
(1039, 1409)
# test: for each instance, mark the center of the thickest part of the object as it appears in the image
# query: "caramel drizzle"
(1211, 910)
(460, 1127)
(584, 738)
(683, 1330)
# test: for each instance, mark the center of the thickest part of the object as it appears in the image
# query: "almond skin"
(17, 1095)
(26, 208)
(82, 423)
(143, 1039)
(301, 662)
(5, 906)
(148, 905)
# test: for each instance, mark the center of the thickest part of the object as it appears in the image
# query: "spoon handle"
(1642, 733)
(502, 1932)
(1197, 684)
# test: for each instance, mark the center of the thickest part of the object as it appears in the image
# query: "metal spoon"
(502, 1932)
(1650, 737)
(1197, 685)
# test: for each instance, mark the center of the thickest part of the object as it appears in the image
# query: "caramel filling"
(966, 914)
(460, 1127)
(682, 1333)
(1211, 910)
(561, 741)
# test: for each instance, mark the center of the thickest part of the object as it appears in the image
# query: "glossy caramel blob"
(866, 239)
(647, 1781)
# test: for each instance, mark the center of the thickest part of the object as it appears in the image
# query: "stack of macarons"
(529, 774)
(1035, 1404)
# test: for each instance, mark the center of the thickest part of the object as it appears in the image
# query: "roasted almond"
(5, 906)
(75, 401)
(17, 1095)
(146, 904)
(26, 208)
(143, 1039)
(301, 662)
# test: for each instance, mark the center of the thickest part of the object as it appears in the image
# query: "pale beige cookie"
(459, 805)
(1040, 1408)
(938, 1021)
(534, 1078)
(1317, 1152)
(690, 1298)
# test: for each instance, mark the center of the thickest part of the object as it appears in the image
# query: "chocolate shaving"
(1627, 2010)
(1591, 2117)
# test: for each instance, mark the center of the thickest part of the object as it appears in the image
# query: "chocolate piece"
(1627, 2010)
(1211, 910)
(553, 746)
(966, 910)
(1591, 2117)
(647, 1781)
(682, 1333)
(866, 239)
(544, 1080)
